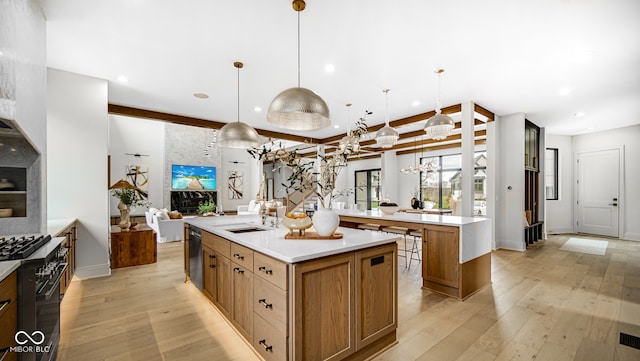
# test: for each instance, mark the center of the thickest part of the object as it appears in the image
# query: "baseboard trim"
(560, 231)
(100, 270)
(631, 236)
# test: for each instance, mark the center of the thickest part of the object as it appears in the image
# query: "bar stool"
(414, 248)
(402, 231)
(369, 226)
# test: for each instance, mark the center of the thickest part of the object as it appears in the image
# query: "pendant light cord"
(238, 94)
(439, 105)
(386, 91)
(298, 49)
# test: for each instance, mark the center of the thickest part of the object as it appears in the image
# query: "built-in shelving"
(533, 229)
(14, 198)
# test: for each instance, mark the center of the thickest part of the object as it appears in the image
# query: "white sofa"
(254, 208)
(167, 230)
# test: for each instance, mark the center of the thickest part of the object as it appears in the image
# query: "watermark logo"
(36, 338)
(26, 337)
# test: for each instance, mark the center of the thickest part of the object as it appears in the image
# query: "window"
(368, 188)
(551, 173)
(443, 188)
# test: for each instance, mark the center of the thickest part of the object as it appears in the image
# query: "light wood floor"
(544, 304)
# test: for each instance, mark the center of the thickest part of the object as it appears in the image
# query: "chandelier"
(349, 143)
(439, 126)
(427, 167)
(298, 108)
(387, 137)
(238, 134)
(214, 139)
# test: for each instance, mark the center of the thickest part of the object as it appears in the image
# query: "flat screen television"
(193, 177)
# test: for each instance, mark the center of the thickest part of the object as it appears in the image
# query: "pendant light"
(387, 137)
(439, 126)
(298, 108)
(349, 143)
(238, 134)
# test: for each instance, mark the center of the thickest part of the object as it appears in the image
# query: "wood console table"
(134, 247)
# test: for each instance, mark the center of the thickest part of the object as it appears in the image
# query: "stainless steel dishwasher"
(195, 256)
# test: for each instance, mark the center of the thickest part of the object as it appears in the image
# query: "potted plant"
(313, 179)
(207, 208)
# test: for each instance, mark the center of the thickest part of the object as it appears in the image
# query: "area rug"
(585, 245)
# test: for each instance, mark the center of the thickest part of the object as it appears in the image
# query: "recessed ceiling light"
(122, 79)
(564, 91)
(415, 103)
(201, 95)
(336, 126)
(257, 109)
(578, 114)
(329, 68)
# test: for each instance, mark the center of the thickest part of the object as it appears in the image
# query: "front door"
(598, 192)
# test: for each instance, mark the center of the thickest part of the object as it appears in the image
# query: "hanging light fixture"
(298, 108)
(349, 143)
(387, 137)
(439, 126)
(238, 134)
(428, 167)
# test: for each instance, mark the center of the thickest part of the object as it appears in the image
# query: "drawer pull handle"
(238, 270)
(5, 303)
(238, 256)
(265, 270)
(212, 256)
(264, 344)
(212, 266)
(265, 304)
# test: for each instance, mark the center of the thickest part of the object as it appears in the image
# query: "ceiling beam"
(197, 122)
(477, 133)
(438, 147)
(480, 110)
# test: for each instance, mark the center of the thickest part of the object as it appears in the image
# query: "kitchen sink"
(246, 230)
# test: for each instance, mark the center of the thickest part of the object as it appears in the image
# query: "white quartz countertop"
(272, 242)
(444, 220)
(55, 226)
(6, 267)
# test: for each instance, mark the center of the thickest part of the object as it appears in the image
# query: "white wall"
(23, 87)
(144, 137)
(510, 202)
(251, 174)
(629, 139)
(559, 213)
(77, 128)
(390, 175)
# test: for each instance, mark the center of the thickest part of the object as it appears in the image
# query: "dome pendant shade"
(387, 137)
(439, 126)
(298, 109)
(238, 135)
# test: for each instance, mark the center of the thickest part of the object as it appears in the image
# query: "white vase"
(325, 221)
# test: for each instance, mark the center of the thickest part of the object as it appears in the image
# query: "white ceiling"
(508, 56)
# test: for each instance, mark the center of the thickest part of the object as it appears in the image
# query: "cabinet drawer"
(9, 322)
(218, 244)
(269, 341)
(243, 256)
(8, 289)
(271, 270)
(270, 302)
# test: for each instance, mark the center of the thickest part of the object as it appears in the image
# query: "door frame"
(621, 186)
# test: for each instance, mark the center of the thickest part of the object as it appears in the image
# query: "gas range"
(20, 247)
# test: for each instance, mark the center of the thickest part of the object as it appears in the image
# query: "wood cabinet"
(376, 293)
(70, 234)
(8, 316)
(441, 252)
(323, 310)
(332, 308)
(217, 271)
(133, 247)
(242, 290)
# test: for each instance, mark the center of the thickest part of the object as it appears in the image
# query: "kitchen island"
(297, 299)
(456, 251)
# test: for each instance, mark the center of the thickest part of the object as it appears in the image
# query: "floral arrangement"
(127, 196)
(306, 177)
